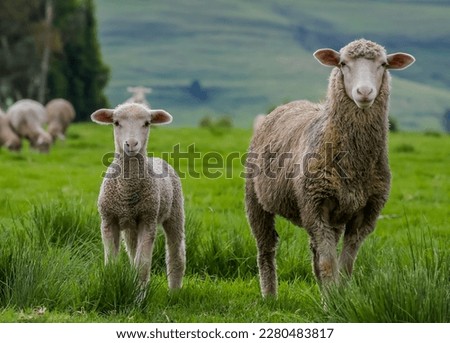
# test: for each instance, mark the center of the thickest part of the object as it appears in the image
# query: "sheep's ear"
(399, 60)
(160, 117)
(103, 116)
(328, 57)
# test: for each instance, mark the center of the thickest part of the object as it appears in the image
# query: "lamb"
(27, 117)
(258, 121)
(325, 166)
(8, 137)
(60, 113)
(138, 193)
(139, 95)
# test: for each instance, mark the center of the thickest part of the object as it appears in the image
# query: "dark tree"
(75, 71)
(20, 27)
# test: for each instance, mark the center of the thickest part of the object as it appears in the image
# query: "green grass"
(51, 254)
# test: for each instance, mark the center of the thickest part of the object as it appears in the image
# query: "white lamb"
(27, 117)
(138, 193)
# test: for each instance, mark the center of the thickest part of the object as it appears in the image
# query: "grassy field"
(51, 255)
(251, 55)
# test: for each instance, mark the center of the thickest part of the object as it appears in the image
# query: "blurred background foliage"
(73, 70)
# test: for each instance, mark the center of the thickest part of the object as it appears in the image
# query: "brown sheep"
(324, 166)
(60, 113)
(8, 137)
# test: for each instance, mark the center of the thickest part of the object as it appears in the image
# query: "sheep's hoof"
(142, 294)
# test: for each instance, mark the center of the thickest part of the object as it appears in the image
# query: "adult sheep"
(257, 121)
(324, 166)
(27, 117)
(8, 137)
(138, 193)
(60, 113)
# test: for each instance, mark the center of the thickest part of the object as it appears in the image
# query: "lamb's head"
(131, 125)
(362, 64)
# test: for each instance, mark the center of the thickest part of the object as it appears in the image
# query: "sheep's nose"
(364, 91)
(131, 143)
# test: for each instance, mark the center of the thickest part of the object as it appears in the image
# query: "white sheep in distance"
(138, 193)
(60, 113)
(138, 95)
(8, 137)
(27, 117)
(325, 166)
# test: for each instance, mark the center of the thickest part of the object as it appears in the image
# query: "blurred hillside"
(242, 57)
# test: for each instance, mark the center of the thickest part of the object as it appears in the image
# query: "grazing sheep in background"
(258, 121)
(8, 137)
(138, 96)
(138, 193)
(27, 117)
(60, 113)
(324, 166)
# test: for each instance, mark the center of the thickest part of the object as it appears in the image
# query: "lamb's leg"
(175, 250)
(262, 224)
(144, 251)
(361, 225)
(111, 239)
(130, 238)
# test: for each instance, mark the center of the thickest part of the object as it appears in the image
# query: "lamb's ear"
(103, 116)
(159, 117)
(328, 57)
(399, 60)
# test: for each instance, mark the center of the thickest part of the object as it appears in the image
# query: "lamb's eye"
(384, 64)
(147, 124)
(342, 64)
(116, 123)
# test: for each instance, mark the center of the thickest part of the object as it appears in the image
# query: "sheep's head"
(131, 125)
(42, 142)
(363, 64)
(14, 143)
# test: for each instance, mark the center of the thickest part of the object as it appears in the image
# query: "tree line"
(49, 49)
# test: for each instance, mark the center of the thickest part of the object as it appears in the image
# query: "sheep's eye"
(342, 64)
(116, 123)
(384, 64)
(147, 124)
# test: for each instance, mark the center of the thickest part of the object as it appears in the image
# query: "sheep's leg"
(332, 260)
(361, 225)
(262, 224)
(144, 250)
(130, 238)
(324, 240)
(175, 250)
(323, 245)
(111, 239)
